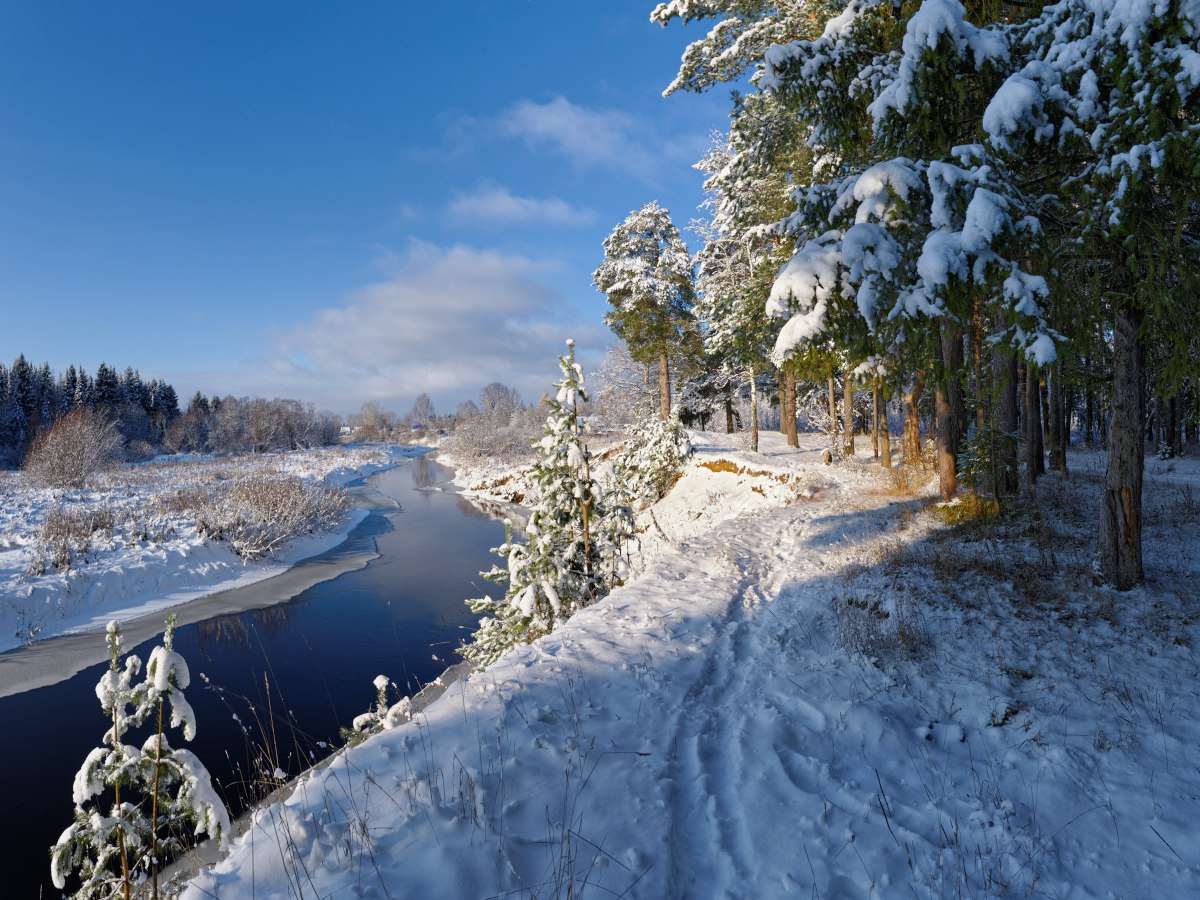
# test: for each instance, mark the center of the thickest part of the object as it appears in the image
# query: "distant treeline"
(33, 398)
(249, 425)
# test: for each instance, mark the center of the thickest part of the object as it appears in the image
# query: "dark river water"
(305, 665)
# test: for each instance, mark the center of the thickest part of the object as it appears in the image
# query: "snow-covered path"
(705, 732)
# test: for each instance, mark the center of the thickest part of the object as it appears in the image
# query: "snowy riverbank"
(151, 557)
(812, 686)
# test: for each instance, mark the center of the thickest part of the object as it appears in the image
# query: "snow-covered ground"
(149, 556)
(812, 687)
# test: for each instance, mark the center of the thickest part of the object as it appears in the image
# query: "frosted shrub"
(135, 805)
(258, 514)
(565, 563)
(76, 447)
(67, 534)
(487, 436)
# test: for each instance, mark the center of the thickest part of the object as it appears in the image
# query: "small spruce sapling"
(564, 564)
(156, 790)
(650, 461)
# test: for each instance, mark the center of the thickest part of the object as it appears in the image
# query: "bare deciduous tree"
(77, 446)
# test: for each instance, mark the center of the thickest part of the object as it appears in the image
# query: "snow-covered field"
(147, 555)
(812, 687)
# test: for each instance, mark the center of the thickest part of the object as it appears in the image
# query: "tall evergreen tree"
(106, 389)
(84, 389)
(647, 278)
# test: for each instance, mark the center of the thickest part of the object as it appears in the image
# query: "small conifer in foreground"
(152, 793)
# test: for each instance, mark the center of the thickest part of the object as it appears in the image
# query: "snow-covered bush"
(259, 513)
(77, 446)
(565, 563)
(650, 461)
(154, 794)
(67, 534)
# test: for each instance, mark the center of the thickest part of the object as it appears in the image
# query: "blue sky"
(332, 202)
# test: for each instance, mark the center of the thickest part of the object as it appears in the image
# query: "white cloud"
(495, 204)
(585, 136)
(445, 321)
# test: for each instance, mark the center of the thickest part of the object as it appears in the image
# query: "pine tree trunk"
(977, 353)
(943, 411)
(848, 416)
(664, 384)
(1058, 447)
(948, 408)
(789, 424)
(833, 416)
(753, 412)
(728, 414)
(912, 420)
(1120, 535)
(1044, 400)
(881, 424)
(1032, 425)
(875, 417)
(1004, 371)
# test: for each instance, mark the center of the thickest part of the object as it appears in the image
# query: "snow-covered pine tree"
(918, 230)
(738, 261)
(743, 32)
(151, 792)
(106, 387)
(647, 277)
(566, 561)
(84, 389)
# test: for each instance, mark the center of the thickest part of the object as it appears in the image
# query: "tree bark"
(1058, 446)
(943, 410)
(847, 416)
(912, 420)
(1004, 371)
(977, 354)
(1120, 534)
(875, 417)
(881, 426)
(833, 417)
(1032, 424)
(753, 411)
(948, 409)
(792, 436)
(664, 385)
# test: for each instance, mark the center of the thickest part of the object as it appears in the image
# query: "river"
(292, 673)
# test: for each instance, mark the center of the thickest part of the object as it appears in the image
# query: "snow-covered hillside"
(812, 687)
(146, 553)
